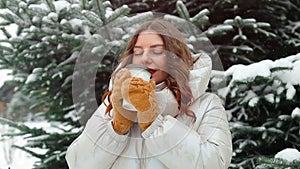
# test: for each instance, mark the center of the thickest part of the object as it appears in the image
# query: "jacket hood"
(199, 79)
(200, 75)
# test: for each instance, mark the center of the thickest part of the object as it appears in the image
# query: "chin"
(159, 77)
(157, 80)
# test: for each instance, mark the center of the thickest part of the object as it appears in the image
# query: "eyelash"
(154, 52)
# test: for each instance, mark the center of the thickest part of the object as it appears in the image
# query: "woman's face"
(149, 51)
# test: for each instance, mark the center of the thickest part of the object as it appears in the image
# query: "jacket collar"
(200, 75)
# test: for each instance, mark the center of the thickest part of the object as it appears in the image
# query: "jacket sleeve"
(98, 146)
(205, 145)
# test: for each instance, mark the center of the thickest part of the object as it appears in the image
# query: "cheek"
(136, 60)
(161, 63)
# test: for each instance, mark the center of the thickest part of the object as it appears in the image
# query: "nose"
(146, 58)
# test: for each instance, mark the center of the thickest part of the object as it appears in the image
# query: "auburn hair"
(179, 59)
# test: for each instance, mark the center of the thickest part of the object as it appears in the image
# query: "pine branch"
(92, 18)
(201, 18)
(270, 163)
(5, 48)
(29, 151)
(54, 157)
(84, 4)
(50, 5)
(26, 130)
(6, 33)
(122, 11)
(101, 10)
(182, 10)
(11, 17)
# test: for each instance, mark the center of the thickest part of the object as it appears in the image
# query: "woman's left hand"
(141, 94)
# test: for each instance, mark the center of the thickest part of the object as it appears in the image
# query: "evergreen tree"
(59, 43)
(262, 100)
(42, 55)
(242, 31)
(61, 54)
(277, 163)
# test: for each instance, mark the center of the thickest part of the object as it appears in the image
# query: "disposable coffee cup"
(140, 71)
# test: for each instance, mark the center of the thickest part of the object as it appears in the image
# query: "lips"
(152, 71)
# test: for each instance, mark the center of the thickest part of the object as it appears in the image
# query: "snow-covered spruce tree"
(261, 20)
(52, 33)
(262, 100)
(275, 163)
(56, 42)
(288, 158)
(239, 35)
(242, 31)
(42, 53)
(53, 39)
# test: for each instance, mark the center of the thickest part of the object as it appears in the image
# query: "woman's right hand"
(122, 119)
(141, 94)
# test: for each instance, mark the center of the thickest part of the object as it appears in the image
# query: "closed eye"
(157, 51)
(138, 53)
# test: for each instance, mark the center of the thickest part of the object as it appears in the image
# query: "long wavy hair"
(179, 59)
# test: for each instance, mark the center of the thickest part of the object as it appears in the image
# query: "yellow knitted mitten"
(141, 94)
(122, 118)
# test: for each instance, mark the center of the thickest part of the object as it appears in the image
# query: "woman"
(176, 123)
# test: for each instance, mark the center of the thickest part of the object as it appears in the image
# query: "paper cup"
(136, 71)
(140, 71)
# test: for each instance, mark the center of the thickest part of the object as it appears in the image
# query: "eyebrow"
(152, 46)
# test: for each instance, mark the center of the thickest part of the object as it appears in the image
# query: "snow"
(98, 49)
(269, 97)
(296, 113)
(43, 7)
(5, 76)
(284, 62)
(284, 73)
(13, 157)
(249, 72)
(76, 23)
(22, 4)
(290, 76)
(219, 29)
(36, 19)
(11, 29)
(263, 68)
(33, 28)
(60, 5)
(16, 158)
(53, 16)
(253, 101)
(73, 115)
(288, 154)
(280, 90)
(249, 95)
(31, 78)
(6, 11)
(46, 19)
(291, 91)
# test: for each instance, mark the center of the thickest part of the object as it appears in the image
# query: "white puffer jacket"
(169, 142)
